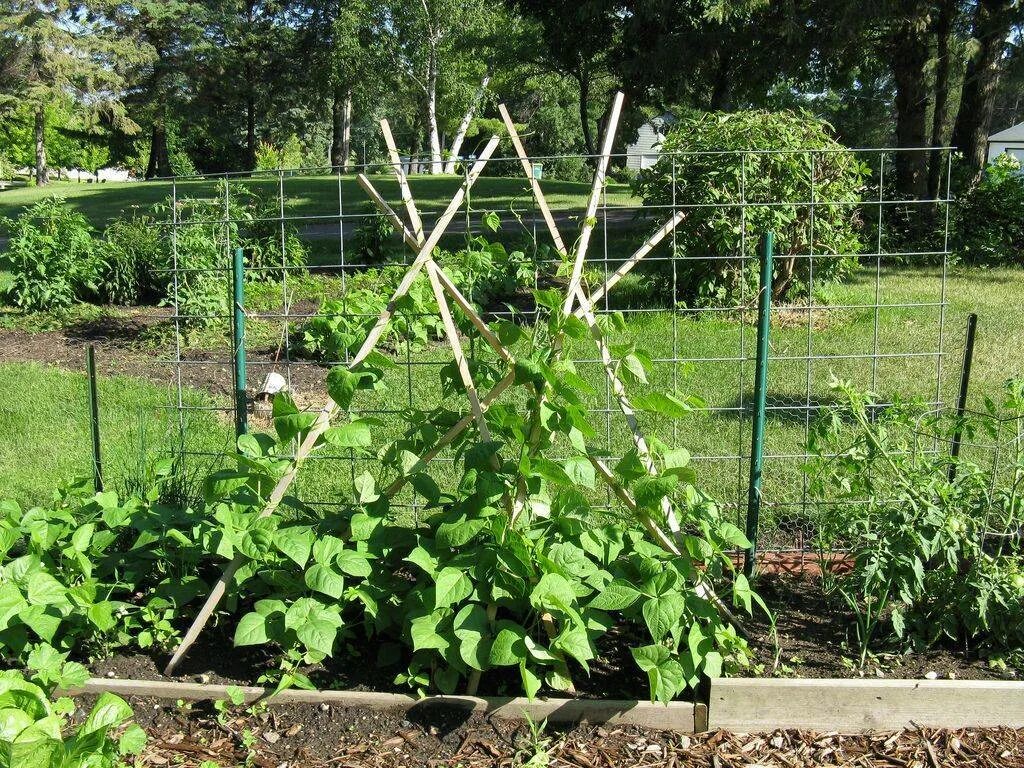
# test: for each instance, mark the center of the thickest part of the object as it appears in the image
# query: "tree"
(991, 24)
(59, 48)
(578, 40)
(440, 47)
(159, 84)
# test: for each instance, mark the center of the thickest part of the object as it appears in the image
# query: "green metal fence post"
(764, 306)
(238, 342)
(94, 419)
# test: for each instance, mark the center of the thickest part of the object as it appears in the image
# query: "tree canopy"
(179, 86)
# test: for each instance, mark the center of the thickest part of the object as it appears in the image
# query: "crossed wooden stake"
(576, 301)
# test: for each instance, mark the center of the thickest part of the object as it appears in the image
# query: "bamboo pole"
(396, 221)
(403, 182)
(323, 418)
(648, 246)
(590, 219)
(538, 195)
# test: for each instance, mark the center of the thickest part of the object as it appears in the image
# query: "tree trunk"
(991, 26)
(434, 135)
(460, 134)
(42, 172)
(721, 91)
(159, 156)
(341, 138)
(588, 136)
(909, 60)
(943, 30)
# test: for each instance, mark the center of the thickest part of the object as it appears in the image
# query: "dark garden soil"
(213, 659)
(323, 736)
(131, 344)
(816, 639)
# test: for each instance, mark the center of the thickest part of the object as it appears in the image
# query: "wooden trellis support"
(576, 302)
(323, 419)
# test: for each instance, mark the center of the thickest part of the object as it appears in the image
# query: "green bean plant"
(92, 572)
(517, 561)
(936, 557)
(35, 727)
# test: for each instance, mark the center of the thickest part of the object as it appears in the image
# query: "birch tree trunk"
(460, 134)
(341, 139)
(432, 131)
(42, 172)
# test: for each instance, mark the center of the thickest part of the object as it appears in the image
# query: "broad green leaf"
(580, 471)
(508, 648)
(451, 587)
(342, 385)
(616, 596)
(322, 578)
(110, 710)
(662, 613)
(251, 630)
(423, 630)
(353, 563)
(355, 434)
(662, 404)
(43, 589)
(295, 543)
(132, 741)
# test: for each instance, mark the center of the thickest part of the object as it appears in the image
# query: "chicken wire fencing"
(860, 293)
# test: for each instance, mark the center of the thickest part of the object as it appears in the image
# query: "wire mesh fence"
(866, 304)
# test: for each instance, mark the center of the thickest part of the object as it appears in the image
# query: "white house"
(645, 151)
(1011, 140)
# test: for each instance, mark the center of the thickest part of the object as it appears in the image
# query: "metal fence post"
(238, 342)
(764, 305)
(94, 419)
(961, 398)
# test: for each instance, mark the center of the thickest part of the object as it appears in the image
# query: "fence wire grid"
(885, 327)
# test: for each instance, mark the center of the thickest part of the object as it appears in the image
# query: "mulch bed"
(312, 736)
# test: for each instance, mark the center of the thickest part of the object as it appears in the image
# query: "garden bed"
(318, 736)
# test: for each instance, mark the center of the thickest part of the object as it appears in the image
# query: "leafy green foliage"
(483, 271)
(34, 725)
(50, 255)
(92, 571)
(504, 569)
(988, 221)
(711, 168)
(934, 558)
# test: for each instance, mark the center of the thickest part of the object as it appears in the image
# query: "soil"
(214, 659)
(319, 736)
(125, 346)
(816, 639)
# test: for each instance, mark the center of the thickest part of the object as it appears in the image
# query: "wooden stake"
(637, 256)
(538, 195)
(403, 182)
(590, 219)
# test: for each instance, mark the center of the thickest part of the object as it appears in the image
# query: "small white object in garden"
(273, 384)
(272, 737)
(931, 675)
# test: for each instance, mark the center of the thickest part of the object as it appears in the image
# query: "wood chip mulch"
(504, 745)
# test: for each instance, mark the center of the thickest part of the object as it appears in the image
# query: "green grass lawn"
(48, 438)
(306, 196)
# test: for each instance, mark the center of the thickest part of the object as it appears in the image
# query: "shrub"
(988, 222)
(267, 157)
(704, 155)
(50, 255)
(131, 259)
(372, 240)
(934, 557)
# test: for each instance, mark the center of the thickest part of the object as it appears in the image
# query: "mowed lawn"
(45, 413)
(308, 200)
